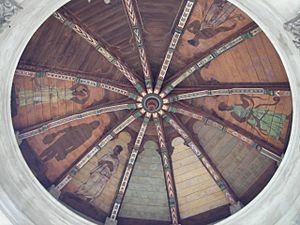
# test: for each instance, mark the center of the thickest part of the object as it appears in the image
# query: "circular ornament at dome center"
(152, 103)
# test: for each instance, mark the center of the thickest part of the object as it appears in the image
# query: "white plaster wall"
(23, 201)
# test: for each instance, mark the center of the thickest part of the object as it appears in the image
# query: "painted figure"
(78, 93)
(263, 120)
(100, 175)
(72, 138)
(214, 17)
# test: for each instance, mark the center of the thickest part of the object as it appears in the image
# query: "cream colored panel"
(197, 192)
(98, 180)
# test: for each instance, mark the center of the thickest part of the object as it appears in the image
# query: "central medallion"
(152, 103)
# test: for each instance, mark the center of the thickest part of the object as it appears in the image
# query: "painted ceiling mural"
(154, 113)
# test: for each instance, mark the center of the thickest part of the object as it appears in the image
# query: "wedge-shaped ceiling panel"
(196, 190)
(146, 196)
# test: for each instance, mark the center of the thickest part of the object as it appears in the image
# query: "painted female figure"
(263, 120)
(78, 93)
(214, 17)
(100, 175)
(71, 138)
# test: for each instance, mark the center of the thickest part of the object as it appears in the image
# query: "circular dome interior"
(151, 112)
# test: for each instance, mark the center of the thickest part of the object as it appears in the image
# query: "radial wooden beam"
(96, 76)
(129, 74)
(167, 170)
(225, 92)
(258, 144)
(66, 178)
(59, 75)
(129, 168)
(95, 111)
(215, 53)
(93, 75)
(205, 160)
(137, 33)
(186, 12)
(282, 86)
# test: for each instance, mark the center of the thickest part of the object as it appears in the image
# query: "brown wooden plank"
(259, 185)
(53, 103)
(69, 104)
(20, 121)
(57, 168)
(208, 217)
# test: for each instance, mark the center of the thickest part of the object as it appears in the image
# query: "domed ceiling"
(151, 112)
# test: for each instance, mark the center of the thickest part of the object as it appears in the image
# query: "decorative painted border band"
(137, 33)
(223, 92)
(167, 169)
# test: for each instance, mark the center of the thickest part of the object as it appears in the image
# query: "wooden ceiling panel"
(211, 22)
(84, 113)
(88, 185)
(49, 144)
(240, 164)
(196, 190)
(58, 47)
(267, 117)
(255, 60)
(108, 23)
(43, 99)
(158, 27)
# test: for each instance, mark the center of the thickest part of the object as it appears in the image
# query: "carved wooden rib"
(103, 142)
(173, 44)
(129, 168)
(257, 145)
(39, 129)
(104, 52)
(207, 163)
(167, 169)
(67, 77)
(208, 58)
(137, 33)
(282, 86)
(223, 92)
